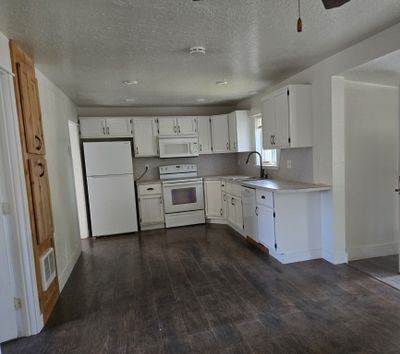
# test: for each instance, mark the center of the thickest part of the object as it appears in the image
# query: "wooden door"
(30, 110)
(41, 201)
(145, 137)
(35, 166)
(220, 133)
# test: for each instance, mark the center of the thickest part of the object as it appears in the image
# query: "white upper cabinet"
(286, 118)
(186, 125)
(220, 133)
(204, 129)
(93, 127)
(119, 127)
(177, 126)
(241, 132)
(145, 136)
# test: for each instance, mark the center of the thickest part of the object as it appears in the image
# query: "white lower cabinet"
(151, 209)
(266, 226)
(213, 198)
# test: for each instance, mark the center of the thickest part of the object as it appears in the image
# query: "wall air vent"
(47, 268)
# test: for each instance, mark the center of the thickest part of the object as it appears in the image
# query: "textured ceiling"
(87, 47)
(383, 71)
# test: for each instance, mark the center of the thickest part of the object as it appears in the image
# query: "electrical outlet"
(146, 166)
(288, 163)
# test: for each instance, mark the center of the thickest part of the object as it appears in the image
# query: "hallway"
(202, 289)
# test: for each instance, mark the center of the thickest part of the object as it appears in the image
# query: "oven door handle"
(175, 184)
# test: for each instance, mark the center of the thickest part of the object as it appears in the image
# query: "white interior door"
(78, 178)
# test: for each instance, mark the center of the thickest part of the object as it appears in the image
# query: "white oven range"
(183, 195)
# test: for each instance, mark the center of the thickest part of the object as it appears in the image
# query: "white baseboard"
(64, 275)
(338, 258)
(374, 250)
(293, 257)
(216, 221)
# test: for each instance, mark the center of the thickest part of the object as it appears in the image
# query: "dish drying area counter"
(282, 216)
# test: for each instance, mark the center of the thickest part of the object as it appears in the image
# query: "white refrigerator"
(111, 187)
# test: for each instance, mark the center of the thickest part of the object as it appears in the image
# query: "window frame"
(259, 145)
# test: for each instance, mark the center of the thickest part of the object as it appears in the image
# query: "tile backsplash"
(208, 165)
(301, 169)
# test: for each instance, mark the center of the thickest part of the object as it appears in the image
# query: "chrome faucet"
(262, 172)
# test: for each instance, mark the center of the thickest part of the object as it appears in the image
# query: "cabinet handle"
(174, 128)
(150, 189)
(179, 129)
(41, 174)
(227, 146)
(224, 197)
(232, 201)
(270, 140)
(137, 150)
(108, 130)
(39, 143)
(263, 197)
(201, 147)
(221, 212)
(256, 211)
(104, 130)
(273, 139)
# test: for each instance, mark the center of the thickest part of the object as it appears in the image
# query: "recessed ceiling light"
(130, 82)
(130, 100)
(222, 82)
(201, 100)
(197, 50)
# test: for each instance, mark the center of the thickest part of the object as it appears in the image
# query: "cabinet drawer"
(265, 198)
(150, 189)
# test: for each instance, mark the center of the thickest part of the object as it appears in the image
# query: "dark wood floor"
(203, 290)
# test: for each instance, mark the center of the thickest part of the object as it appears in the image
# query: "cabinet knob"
(227, 146)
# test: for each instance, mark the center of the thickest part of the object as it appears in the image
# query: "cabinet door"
(31, 114)
(186, 125)
(204, 129)
(167, 126)
(119, 127)
(151, 210)
(225, 205)
(239, 213)
(41, 200)
(266, 226)
(220, 133)
(213, 199)
(281, 103)
(233, 143)
(92, 127)
(145, 137)
(268, 123)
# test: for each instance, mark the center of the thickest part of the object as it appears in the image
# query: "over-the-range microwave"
(178, 147)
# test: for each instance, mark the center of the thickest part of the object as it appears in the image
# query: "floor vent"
(48, 268)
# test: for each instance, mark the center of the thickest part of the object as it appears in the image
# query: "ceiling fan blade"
(331, 4)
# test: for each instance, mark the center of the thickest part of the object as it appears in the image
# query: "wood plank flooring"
(202, 289)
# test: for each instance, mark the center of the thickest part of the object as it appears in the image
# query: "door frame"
(29, 317)
(79, 184)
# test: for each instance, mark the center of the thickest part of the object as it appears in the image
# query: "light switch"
(288, 163)
(5, 208)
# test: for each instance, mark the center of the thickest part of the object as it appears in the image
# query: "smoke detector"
(197, 50)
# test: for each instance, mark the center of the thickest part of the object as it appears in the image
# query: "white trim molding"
(31, 319)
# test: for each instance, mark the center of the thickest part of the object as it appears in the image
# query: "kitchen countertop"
(227, 178)
(285, 186)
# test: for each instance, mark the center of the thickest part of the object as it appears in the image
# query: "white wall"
(5, 59)
(328, 167)
(57, 109)
(371, 153)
